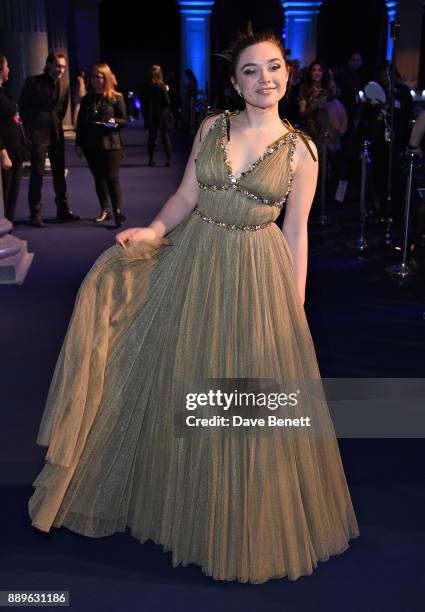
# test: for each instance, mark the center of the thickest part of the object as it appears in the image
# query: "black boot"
(64, 214)
(36, 220)
(35, 215)
(119, 217)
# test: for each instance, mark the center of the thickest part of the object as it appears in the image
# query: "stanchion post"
(402, 269)
(361, 242)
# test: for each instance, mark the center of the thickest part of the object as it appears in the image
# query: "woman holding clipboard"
(101, 117)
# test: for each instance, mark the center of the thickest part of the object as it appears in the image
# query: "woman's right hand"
(136, 234)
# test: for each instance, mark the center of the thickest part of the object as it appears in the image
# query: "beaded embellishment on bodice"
(236, 182)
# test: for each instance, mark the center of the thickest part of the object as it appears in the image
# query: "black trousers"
(11, 182)
(105, 167)
(166, 141)
(56, 153)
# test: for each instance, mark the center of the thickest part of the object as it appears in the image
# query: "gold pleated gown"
(216, 299)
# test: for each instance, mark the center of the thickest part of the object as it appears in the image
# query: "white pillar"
(14, 257)
(300, 30)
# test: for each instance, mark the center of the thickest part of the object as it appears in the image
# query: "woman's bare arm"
(179, 205)
(298, 207)
(184, 200)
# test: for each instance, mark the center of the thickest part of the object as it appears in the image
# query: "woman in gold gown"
(212, 288)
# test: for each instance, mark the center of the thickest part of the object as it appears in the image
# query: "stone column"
(14, 257)
(300, 30)
(23, 39)
(56, 15)
(85, 27)
(195, 40)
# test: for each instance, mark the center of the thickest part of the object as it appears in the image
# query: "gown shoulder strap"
(303, 135)
(215, 112)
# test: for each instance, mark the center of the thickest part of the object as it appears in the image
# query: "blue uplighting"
(195, 3)
(286, 4)
(392, 11)
(300, 27)
(195, 34)
(306, 13)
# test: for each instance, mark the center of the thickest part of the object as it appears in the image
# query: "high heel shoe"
(104, 215)
(119, 217)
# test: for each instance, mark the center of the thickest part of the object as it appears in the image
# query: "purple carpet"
(363, 324)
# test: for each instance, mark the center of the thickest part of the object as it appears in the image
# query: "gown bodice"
(256, 196)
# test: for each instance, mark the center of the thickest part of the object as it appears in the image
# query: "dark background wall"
(130, 42)
(353, 25)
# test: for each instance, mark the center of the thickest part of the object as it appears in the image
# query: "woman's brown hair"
(110, 93)
(244, 40)
(157, 78)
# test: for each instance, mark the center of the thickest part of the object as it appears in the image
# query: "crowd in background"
(332, 107)
(329, 105)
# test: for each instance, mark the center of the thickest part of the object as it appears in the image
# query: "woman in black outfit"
(102, 114)
(157, 113)
(12, 145)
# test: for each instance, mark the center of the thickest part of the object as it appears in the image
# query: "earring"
(240, 92)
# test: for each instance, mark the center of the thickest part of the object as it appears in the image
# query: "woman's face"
(4, 71)
(98, 81)
(316, 73)
(261, 75)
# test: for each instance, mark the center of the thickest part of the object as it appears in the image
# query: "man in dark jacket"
(43, 104)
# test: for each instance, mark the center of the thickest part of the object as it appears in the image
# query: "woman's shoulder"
(210, 121)
(305, 147)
